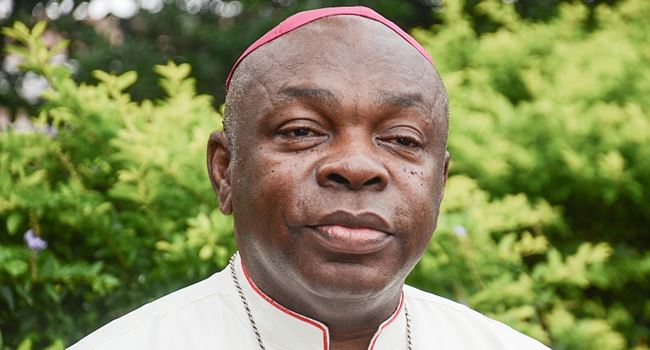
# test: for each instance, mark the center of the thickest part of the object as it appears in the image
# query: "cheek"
(417, 213)
(419, 203)
(416, 222)
(266, 187)
(258, 202)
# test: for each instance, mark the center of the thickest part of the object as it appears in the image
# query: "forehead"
(347, 55)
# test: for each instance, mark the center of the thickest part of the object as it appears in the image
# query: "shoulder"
(458, 326)
(164, 318)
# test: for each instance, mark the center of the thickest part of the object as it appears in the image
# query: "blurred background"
(106, 107)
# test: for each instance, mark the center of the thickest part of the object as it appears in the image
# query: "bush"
(119, 191)
(559, 111)
(541, 227)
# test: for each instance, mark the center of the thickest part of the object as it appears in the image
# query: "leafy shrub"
(119, 191)
(560, 111)
(494, 256)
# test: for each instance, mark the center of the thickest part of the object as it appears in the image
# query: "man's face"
(340, 159)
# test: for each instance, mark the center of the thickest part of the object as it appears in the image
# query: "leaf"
(103, 76)
(8, 297)
(39, 28)
(127, 79)
(51, 292)
(35, 178)
(60, 73)
(206, 252)
(9, 32)
(14, 221)
(173, 72)
(20, 32)
(57, 345)
(16, 267)
(25, 345)
(59, 46)
(17, 50)
(164, 246)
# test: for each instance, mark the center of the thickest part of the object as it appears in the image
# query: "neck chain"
(258, 335)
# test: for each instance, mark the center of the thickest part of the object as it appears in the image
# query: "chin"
(338, 279)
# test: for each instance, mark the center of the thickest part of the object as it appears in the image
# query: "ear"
(447, 161)
(219, 169)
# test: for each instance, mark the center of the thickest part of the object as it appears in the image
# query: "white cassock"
(210, 315)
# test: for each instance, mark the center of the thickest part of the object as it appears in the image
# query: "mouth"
(347, 233)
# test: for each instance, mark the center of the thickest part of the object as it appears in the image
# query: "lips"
(344, 232)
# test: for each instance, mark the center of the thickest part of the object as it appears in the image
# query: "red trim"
(287, 311)
(387, 322)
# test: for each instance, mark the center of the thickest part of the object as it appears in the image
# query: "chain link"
(409, 341)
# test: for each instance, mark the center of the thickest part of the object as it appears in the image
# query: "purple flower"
(51, 131)
(48, 130)
(34, 242)
(460, 231)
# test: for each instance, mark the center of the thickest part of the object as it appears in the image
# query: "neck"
(355, 328)
(348, 341)
(349, 330)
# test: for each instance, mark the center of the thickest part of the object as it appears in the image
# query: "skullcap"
(301, 18)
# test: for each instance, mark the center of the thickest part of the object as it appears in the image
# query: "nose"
(353, 171)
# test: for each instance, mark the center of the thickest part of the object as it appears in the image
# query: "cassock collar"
(285, 329)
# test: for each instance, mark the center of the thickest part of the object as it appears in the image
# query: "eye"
(299, 132)
(403, 138)
(407, 142)
(404, 141)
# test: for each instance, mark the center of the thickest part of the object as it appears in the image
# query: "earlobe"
(225, 204)
(218, 161)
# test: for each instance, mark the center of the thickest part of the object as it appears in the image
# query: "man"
(333, 162)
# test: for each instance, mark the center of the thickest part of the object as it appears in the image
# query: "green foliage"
(209, 41)
(494, 256)
(119, 192)
(559, 111)
(543, 224)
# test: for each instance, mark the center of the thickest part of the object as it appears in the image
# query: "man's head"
(334, 159)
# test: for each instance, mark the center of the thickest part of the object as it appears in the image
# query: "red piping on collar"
(300, 317)
(387, 322)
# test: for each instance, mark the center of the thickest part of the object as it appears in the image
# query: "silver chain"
(409, 344)
(243, 300)
(257, 331)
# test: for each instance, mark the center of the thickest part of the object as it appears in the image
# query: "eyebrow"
(402, 100)
(311, 94)
(321, 95)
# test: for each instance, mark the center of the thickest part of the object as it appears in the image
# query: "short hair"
(235, 97)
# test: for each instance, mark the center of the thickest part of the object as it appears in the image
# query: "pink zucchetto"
(300, 19)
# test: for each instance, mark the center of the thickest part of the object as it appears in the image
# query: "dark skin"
(334, 169)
